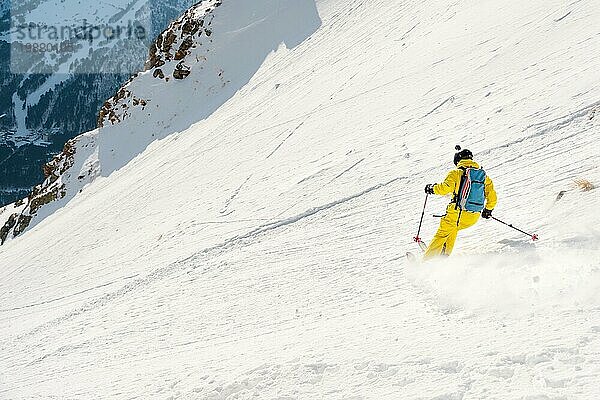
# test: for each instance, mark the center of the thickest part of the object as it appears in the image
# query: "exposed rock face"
(168, 56)
(110, 112)
(182, 71)
(8, 226)
(50, 190)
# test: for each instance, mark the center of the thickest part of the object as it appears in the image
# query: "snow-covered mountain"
(50, 96)
(185, 63)
(240, 233)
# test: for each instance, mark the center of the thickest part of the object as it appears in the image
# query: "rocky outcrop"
(8, 226)
(50, 190)
(110, 112)
(168, 57)
(175, 42)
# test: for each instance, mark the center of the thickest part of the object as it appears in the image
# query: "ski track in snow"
(128, 292)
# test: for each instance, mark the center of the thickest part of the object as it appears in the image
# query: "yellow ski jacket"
(452, 183)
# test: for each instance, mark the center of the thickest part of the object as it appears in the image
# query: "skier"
(473, 193)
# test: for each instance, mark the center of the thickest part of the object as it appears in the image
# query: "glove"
(487, 214)
(429, 189)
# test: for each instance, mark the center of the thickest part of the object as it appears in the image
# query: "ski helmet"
(463, 154)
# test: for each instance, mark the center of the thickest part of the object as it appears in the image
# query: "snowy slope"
(258, 252)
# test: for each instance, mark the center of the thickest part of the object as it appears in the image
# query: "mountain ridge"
(55, 99)
(186, 45)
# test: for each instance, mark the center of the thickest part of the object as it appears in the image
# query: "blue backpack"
(471, 191)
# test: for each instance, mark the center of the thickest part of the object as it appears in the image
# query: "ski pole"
(533, 236)
(417, 238)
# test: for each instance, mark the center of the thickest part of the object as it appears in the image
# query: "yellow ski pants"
(443, 241)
